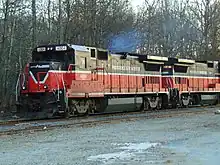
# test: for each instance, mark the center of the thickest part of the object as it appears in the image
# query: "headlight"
(61, 48)
(45, 87)
(23, 88)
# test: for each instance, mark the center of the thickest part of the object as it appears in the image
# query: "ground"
(188, 140)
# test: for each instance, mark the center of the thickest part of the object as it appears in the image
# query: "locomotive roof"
(68, 46)
(131, 54)
(144, 56)
(79, 48)
(140, 56)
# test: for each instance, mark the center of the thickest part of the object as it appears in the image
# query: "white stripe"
(45, 78)
(200, 91)
(33, 77)
(77, 94)
(127, 93)
(98, 93)
(134, 93)
(107, 93)
(131, 74)
(41, 82)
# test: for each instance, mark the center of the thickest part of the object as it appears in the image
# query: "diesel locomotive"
(75, 80)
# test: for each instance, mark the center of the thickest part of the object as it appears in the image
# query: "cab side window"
(93, 53)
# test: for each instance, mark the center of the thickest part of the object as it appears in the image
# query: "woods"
(176, 28)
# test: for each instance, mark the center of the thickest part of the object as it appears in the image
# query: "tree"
(34, 23)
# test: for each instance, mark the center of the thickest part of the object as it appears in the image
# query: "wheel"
(70, 111)
(82, 108)
(99, 105)
(185, 101)
(78, 108)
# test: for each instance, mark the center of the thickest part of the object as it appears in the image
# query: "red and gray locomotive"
(76, 80)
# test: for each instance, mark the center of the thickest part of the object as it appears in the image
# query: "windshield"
(65, 58)
(49, 56)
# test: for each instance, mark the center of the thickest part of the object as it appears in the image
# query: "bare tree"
(206, 12)
(34, 22)
(60, 40)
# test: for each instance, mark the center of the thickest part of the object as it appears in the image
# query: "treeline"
(187, 28)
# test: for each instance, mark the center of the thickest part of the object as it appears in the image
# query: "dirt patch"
(169, 162)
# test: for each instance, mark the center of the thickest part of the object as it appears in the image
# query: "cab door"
(167, 77)
(99, 64)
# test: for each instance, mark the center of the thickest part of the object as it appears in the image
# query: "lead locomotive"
(74, 80)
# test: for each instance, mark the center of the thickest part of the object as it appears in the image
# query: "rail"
(13, 126)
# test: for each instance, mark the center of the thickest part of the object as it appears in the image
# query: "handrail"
(103, 69)
(58, 96)
(39, 79)
(17, 84)
(24, 79)
(64, 88)
(70, 66)
(63, 83)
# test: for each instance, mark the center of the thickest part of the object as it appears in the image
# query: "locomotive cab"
(41, 88)
(59, 57)
(45, 70)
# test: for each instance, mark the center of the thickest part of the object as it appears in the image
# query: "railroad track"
(23, 120)
(14, 127)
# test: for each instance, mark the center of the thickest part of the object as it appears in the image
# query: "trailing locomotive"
(78, 80)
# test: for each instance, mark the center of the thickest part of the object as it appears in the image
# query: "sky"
(136, 2)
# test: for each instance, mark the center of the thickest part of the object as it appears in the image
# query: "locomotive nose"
(39, 71)
(38, 74)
